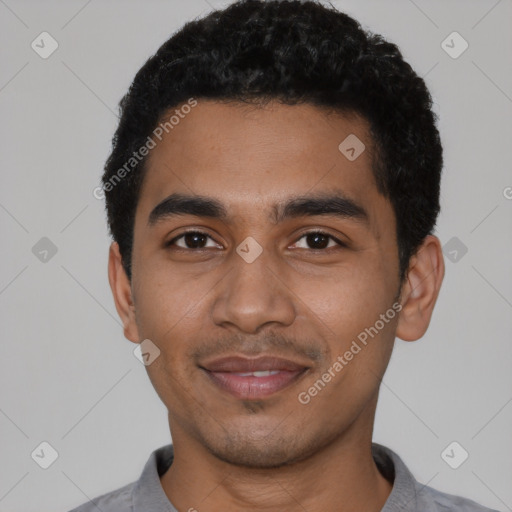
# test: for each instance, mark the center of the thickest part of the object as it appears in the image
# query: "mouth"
(253, 379)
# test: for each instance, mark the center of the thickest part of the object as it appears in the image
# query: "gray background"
(67, 374)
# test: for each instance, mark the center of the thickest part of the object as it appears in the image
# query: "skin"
(295, 299)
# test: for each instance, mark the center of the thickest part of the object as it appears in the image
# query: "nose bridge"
(252, 294)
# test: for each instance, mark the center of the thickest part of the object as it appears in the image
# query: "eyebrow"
(333, 204)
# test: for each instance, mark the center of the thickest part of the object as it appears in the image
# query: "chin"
(265, 452)
(255, 459)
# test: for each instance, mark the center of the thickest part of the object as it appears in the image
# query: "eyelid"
(186, 232)
(319, 231)
(302, 235)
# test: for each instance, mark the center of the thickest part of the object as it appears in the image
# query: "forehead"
(259, 155)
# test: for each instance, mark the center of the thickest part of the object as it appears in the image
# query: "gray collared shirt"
(147, 494)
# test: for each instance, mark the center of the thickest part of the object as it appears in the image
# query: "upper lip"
(243, 364)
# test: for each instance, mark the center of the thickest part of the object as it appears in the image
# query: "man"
(272, 192)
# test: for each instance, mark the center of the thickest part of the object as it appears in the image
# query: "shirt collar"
(148, 493)
(403, 495)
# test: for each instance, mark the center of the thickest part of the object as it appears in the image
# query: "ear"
(421, 289)
(122, 292)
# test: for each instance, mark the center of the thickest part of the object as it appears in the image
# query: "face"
(254, 285)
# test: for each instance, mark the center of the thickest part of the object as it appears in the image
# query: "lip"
(227, 374)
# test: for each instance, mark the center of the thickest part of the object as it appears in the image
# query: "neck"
(342, 476)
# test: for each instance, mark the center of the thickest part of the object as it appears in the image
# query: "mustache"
(270, 342)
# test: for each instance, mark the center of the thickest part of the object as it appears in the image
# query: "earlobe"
(421, 289)
(122, 292)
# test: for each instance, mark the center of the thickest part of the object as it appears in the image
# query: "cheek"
(170, 307)
(347, 311)
(347, 300)
(167, 302)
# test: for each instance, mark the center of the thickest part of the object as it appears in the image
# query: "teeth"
(264, 373)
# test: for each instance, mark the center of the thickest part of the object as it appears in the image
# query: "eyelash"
(315, 232)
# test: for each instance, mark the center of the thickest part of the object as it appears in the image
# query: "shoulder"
(119, 500)
(444, 502)
(145, 494)
(410, 495)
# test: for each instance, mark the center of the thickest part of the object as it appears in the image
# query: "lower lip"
(254, 388)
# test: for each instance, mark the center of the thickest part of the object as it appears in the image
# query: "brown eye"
(191, 240)
(318, 240)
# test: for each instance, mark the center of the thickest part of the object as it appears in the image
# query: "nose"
(253, 295)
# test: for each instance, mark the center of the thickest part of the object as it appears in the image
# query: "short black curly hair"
(294, 52)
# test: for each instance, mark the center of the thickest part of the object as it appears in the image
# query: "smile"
(253, 379)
